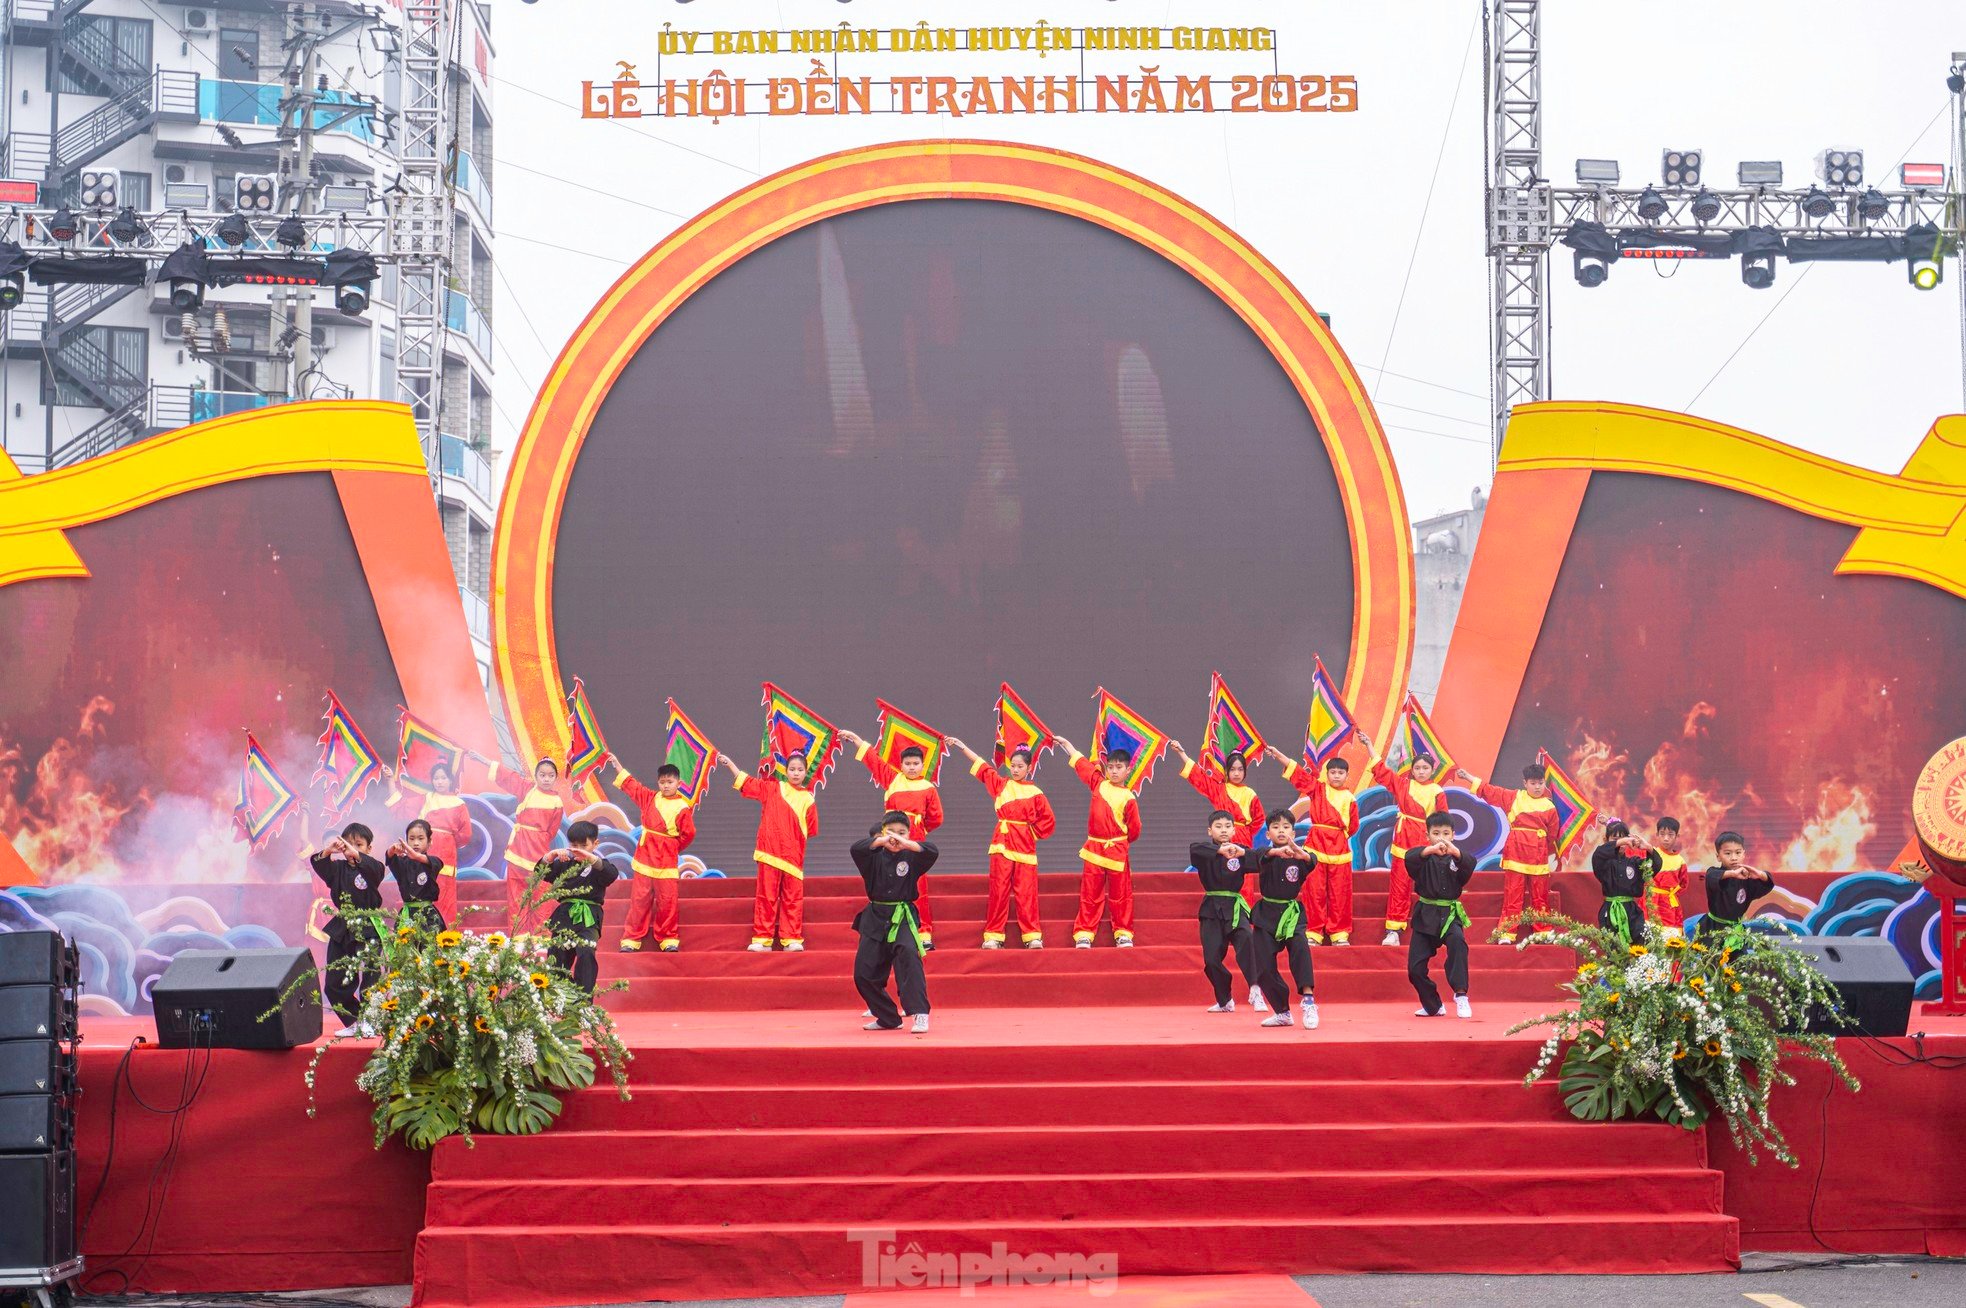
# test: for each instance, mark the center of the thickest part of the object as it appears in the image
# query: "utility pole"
(1956, 83)
(299, 18)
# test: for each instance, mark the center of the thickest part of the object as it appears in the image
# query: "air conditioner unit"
(196, 18)
(174, 173)
(173, 329)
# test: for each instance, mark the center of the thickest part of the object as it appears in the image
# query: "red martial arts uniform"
(1416, 799)
(1533, 829)
(668, 825)
(920, 800)
(1240, 801)
(450, 831)
(1111, 825)
(535, 826)
(1024, 817)
(790, 818)
(1333, 814)
(1662, 907)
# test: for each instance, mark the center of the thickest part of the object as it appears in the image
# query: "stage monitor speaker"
(36, 958)
(214, 998)
(1870, 975)
(37, 1209)
(31, 1124)
(36, 1012)
(34, 1067)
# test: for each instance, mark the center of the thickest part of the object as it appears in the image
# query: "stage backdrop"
(914, 420)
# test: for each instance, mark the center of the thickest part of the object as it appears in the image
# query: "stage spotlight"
(1924, 256)
(1817, 203)
(1872, 204)
(1597, 172)
(1921, 176)
(1842, 168)
(1680, 167)
(185, 272)
(291, 232)
(353, 298)
(1758, 270)
(1591, 270)
(63, 225)
(99, 188)
(233, 231)
(350, 272)
(125, 227)
(13, 275)
(1706, 207)
(1760, 172)
(1651, 205)
(253, 193)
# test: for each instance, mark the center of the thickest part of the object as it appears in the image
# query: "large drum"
(1938, 813)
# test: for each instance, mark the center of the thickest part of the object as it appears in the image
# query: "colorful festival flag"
(348, 762)
(1330, 723)
(1574, 813)
(1018, 728)
(1115, 726)
(1417, 736)
(898, 731)
(1229, 729)
(792, 728)
(421, 750)
(265, 798)
(588, 745)
(690, 751)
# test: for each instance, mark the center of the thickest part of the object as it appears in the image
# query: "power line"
(582, 186)
(534, 240)
(519, 307)
(1422, 381)
(1448, 417)
(624, 125)
(1444, 435)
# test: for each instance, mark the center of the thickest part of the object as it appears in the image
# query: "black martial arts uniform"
(581, 888)
(1279, 925)
(351, 884)
(417, 880)
(890, 930)
(1727, 902)
(1622, 877)
(1439, 921)
(1224, 915)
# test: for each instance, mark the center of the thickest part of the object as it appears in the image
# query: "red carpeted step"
(512, 1265)
(829, 953)
(1005, 1195)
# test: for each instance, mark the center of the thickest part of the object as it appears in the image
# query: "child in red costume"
(1333, 814)
(907, 791)
(1024, 817)
(1419, 798)
(789, 818)
(1666, 879)
(1112, 824)
(1529, 852)
(450, 828)
(1230, 794)
(535, 826)
(668, 825)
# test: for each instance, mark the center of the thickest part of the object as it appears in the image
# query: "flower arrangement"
(473, 1030)
(1683, 1028)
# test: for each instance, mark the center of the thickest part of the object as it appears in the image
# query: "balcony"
(206, 405)
(258, 104)
(471, 182)
(463, 316)
(477, 615)
(457, 461)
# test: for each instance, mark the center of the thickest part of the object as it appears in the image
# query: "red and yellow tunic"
(1662, 890)
(1024, 815)
(1533, 828)
(1416, 799)
(668, 825)
(919, 798)
(789, 819)
(535, 825)
(1333, 813)
(450, 823)
(1226, 795)
(1113, 821)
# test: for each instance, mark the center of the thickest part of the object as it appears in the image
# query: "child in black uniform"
(1620, 865)
(1222, 865)
(415, 869)
(354, 881)
(1731, 887)
(581, 878)
(1440, 872)
(890, 927)
(1279, 924)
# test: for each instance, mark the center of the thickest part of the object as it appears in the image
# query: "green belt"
(1242, 905)
(1291, 918)
(1456, 912)
(1621, 918)
(581, 912)
(904, 914)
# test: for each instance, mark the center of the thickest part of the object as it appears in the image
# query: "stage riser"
(1052, 908)
(492, 889)
(829, 952)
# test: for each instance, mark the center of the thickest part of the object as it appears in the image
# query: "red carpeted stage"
(1066, 1102)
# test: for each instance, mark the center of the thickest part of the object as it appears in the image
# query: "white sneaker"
(1461, 1007)
(757, 947)
(876, 1026)
(1345, 940)
(1310, 1014)
(920, 1026)
(1277, 1019)
(1081, 944)
(993, 944)
(1228, 1007)
(1390, 938)
(1421, 1012)
(1123, 942)
(348, 1033)
(1035, 942)
(795, 946)
(1505, 940)
(866, 1012)
(1257, 1002)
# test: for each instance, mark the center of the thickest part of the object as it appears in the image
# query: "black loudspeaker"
(37, 1209)
(35, 1013)
(34, 1067)
(1870, 975)
(35, 958)
(33, 1124)
(214, 998)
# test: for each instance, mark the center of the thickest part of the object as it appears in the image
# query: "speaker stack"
(40, 978)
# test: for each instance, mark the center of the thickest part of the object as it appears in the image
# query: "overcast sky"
(1846, 360)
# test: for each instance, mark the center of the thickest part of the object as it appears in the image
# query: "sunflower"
(404, 933)
(1675, 942)
(1678, 1052)
(442, 965)
(1699, 983)
(1612, 998)
(482, 1026)
(496, 940)
(1636, 951)
(1713, 1048)
(389, 1004)
(425, 1022)
(1727, 971)
(540, 980)
(393, 976)
(1737, 987)
(1699, 948)
(464, 967)
(1587, 969)
(446, 939)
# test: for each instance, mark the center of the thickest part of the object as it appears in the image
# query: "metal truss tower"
(1518, 211)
